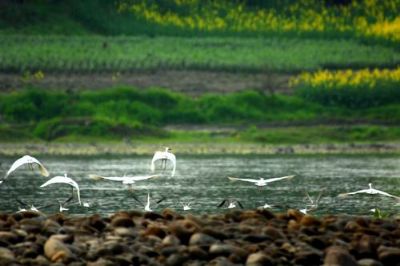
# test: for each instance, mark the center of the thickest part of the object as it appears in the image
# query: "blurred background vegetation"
(339, 59)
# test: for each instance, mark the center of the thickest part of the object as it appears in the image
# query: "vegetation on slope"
(127, 112)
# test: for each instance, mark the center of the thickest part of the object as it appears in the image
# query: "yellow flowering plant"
(352, 88)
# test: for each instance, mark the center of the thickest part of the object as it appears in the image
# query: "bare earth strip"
(95, 149)
(191, 82)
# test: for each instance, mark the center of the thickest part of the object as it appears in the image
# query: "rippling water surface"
(203, 182)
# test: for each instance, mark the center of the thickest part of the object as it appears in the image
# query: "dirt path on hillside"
(191, 82)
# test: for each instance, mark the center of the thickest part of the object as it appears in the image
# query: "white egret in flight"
(231, 203)
(147, 205)
(371, 191)
(312, 202)
(128, 180)
(164, 156)
(261, 182)
(30, 161)
(64, 180)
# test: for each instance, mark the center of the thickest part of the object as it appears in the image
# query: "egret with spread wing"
(30, 161)
(64, 180)
(128, 180)
(371, 191)
(147, 205)
(261, 182)
(231, 203)
(313, 202)
(164, 156)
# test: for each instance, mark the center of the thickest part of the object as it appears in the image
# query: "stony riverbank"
(251, 237)
(99, 149)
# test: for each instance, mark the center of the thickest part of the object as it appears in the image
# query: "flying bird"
(371, 191)
(65, 180)
(231, 203)
(314, 202)
(147, 205)
(164, 156)
(30, 161)
(260, 182)
(128, 180)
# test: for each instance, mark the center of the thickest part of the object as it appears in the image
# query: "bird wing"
(279, 178)
(64, 180)
(385, 193)
(309, 198)
(43, 170)
(135, 198)
(243, 179)
(161, 200)
(16, 164)
(172, 158)
(158, 155)
(142, 177)
(112, 178)
(221, 204)
(319, 196)
(22, 203)
(27, 159)
(240, 204)
(352, 193)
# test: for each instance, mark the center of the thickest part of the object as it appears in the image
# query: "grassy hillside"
(129, 113)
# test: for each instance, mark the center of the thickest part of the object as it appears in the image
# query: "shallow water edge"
(99, 149)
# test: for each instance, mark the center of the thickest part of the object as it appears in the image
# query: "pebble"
(251, 237)
(336, 255)
(259, 259)
(122, 222)
(221, 250)
(389, 255)
(6, 256)
(176, 259)
(183, 229)
(368, 262)
(201, 239)
(171, 240)
(55, 250)
(9, 237)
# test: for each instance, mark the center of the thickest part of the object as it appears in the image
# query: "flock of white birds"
(164, 157)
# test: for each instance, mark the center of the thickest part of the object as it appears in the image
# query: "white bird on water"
(164, 156)
(64, 180)
(266, 206)
(261, 182)
(30, 161)
(127, 180)
(31, 207)
(186, 206)
(371, 191)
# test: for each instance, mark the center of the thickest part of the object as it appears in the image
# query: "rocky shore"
(251, 237)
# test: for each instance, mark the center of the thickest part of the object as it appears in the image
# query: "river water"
(202, 180)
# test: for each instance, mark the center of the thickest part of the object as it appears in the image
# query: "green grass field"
(127, 113)
(96, 54)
